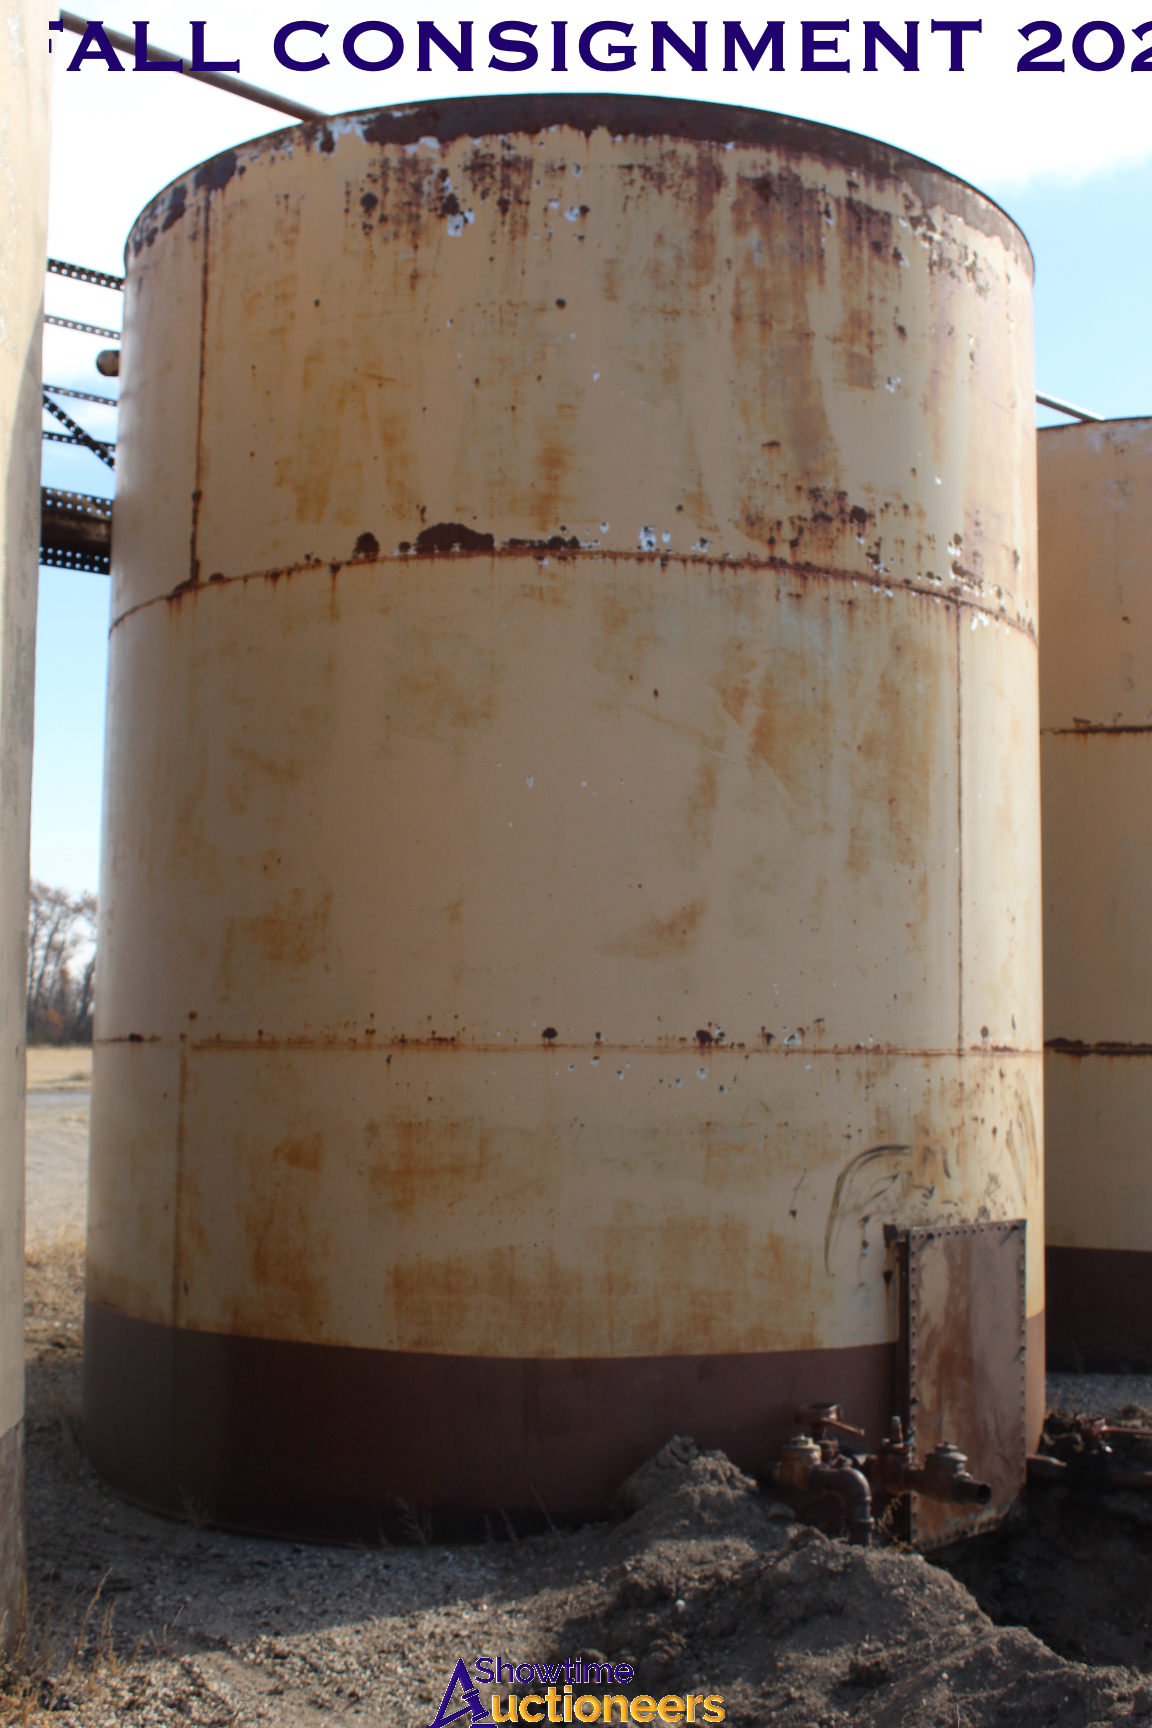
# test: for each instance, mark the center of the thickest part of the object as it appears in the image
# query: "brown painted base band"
(342, 1444)
(1099, 1309)
(1035, 1388)
(11, 1532)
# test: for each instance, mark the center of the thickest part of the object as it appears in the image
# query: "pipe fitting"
(852, 1487)
(797, 1461)
(943, 1476)
(1089, 1471)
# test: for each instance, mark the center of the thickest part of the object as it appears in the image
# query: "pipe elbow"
(854, 1491)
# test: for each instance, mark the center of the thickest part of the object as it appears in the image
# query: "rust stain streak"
(657, 937)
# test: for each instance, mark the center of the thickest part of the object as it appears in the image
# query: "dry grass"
(56, 1662)
(62, 1251)
(54, 1291)
(48, 1671)
(54, 1335)
(58, 1067)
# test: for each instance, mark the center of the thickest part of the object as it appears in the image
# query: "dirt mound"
(1073, 1565)
(707, 1587)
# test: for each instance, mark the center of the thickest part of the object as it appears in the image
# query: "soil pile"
(1074, 1566)
(709, 1588)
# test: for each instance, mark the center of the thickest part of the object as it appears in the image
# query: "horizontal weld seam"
(368, 1045)
(1106, 1047)
(1085, 731)
(818, 572)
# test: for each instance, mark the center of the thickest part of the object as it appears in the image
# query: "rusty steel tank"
(570, 890)
(1095, 498)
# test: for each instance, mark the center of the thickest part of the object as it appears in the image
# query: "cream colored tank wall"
(578, 945)
(23, 222)
(1095, 492)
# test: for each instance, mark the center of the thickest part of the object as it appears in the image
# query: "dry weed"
(60, 1251)
(415, 1525)
(46, 1671)
(54, 1291)
(893, 1525)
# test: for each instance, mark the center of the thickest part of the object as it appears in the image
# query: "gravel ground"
(56, 1162)
(56, 1119)
(702, 1584)
(1099, 1394)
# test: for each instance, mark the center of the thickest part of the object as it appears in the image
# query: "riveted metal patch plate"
(965, 1329)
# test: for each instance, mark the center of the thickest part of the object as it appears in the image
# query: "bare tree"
(61, 965)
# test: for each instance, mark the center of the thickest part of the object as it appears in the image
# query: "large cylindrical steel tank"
(24, 92)
(1095, 498)
(571, 855)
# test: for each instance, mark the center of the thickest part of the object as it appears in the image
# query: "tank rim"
(1088, 425)
(591, 111)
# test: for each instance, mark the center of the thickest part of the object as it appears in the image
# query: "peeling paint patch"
(453, 537)
(214, 175)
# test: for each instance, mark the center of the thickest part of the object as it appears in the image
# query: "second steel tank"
(571, 865)
(1095, 494)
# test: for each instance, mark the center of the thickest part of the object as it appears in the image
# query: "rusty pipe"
(1094, 1467)
(944, 1475)
(1091, 1471)
(853, 1489)
(221, 80)
(962, 1489)
(1070, 408)
(1141, 1479)
(803, 1470)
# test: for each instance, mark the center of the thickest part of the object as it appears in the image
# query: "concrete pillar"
(24, 95)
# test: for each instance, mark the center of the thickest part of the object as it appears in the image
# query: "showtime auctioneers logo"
(561, 1702)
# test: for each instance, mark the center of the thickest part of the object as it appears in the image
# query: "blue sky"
(1069, 156)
